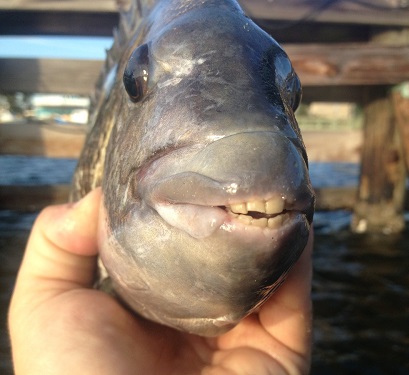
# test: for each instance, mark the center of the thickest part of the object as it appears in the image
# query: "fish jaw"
(207, 286)
(206, 244)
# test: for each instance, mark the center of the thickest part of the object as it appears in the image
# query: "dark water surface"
(360, 286)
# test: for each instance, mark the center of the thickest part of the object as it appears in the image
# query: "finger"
(62, 246)
(288, 313)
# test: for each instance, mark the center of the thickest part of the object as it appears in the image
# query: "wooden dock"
(343, 52)
(346, 52)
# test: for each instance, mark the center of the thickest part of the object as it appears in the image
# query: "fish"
(206, 197)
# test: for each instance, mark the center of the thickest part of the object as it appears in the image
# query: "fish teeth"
(240, 208)
(262, 223)
(275, 222)
(272, 223)
(270, 207)
(245, 219)
(274, 206)
(258, 206)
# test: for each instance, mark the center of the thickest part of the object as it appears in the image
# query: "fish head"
(207, 199)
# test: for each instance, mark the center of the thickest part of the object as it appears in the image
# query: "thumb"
(62, 248)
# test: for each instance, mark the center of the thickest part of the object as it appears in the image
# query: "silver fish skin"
(207, 201)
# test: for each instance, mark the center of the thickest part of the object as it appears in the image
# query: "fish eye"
(280, 79)
(136, 73)
(293, 90)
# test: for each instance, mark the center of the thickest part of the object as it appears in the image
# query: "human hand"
(60, 325)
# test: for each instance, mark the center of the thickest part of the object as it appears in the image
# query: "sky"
(54, 47)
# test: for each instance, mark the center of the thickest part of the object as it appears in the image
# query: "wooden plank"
(60, 6)
(49, 75)
(381, 193)
(32, 22)
(317, 65)
(338, 93)
(379, 12)
(349, 64)
(57, 23)
(400, 97)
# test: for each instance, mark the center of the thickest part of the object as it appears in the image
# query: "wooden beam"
(30, 22)
(317, 65)
(400, 98)
(99, 23)
(338, 93)
(49, 75)
(61, 6)
(349, 64)
(381, 194)
(380, 12)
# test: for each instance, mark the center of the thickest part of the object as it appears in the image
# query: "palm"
(119, 343)
(59, 325)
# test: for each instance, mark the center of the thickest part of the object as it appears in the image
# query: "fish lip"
(190, 189)
(201, 221)
(303, 206)
(220, 196)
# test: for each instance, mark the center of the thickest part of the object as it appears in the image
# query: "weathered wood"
(382, 12)
(317, 65)
(333, 145)
(61, 6)
(400, 96)
(32, 22)
(28, 22)
(59, 141)
(349, 64)
(381, 190)
(49, 75)
(337, 93)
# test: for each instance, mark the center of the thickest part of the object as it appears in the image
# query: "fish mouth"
(262, 213)
(257, 217)
(260, 187)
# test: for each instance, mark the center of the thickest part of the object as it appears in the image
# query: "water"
(360, 285)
